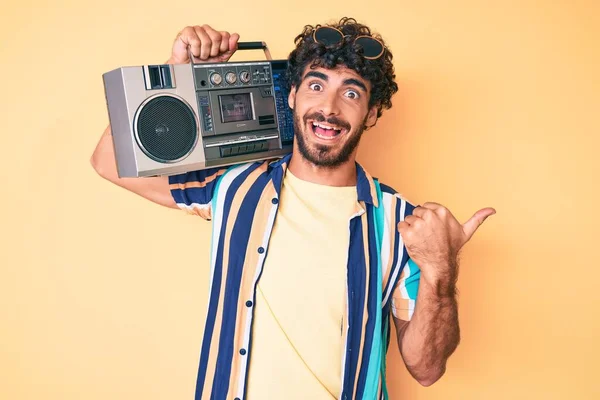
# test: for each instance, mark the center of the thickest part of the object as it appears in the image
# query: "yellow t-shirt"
(297, 344)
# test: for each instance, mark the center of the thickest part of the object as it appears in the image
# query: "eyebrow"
(347, 82)
(355, 82)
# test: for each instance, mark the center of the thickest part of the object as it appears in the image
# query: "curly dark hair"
(379, 72)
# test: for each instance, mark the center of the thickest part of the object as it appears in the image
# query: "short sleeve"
(193, 191)
(404, 297)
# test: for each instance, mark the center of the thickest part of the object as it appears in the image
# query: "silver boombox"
(170, 119)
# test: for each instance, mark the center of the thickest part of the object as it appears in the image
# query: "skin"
(337, 98)
(432, 235)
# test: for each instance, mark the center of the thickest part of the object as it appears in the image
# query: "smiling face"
(331, 111)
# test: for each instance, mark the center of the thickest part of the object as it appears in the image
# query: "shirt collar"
(365, 184)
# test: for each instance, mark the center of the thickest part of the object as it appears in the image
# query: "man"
(311, 255)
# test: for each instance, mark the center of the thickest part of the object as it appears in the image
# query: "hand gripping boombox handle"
(245, 46)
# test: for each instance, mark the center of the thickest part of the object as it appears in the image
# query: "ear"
(292, 97)
(371, 117)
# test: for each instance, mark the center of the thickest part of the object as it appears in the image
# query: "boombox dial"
(231, 78)
(172, 119)
(216, 78)
(245, 76)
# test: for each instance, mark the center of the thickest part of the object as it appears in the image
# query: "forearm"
(155, 189)
(103, 158)
(433, 333)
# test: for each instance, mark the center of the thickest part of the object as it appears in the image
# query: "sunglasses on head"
(330, 36)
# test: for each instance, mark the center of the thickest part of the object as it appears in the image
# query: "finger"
(403, 226)
(476, 220)
(215, 38)
(421, 212)
(412, 219)
(186, 38)
(205, 41)
(224, 42)
(432, 206)
(233, 42)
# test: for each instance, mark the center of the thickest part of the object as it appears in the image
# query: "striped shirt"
(242, 201)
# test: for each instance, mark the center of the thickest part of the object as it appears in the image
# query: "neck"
(342, 175)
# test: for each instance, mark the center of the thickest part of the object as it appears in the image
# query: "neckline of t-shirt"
(318, 186)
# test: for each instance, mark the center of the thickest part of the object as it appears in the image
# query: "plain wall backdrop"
(103, 294)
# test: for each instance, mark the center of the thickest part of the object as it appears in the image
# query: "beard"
(322, 155)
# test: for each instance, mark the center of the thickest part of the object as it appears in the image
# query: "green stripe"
(377, 358)
(412, 282)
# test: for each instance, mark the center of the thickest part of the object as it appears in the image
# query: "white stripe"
(403, 292)
(217, 214)
(386, 240)
(193, 206)
(261, 258)
(400, 251)
(411, 308)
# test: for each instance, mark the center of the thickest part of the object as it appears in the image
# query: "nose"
(329, 104)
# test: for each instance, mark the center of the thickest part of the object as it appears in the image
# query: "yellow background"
(103, 294)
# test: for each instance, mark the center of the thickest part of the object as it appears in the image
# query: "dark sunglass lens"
(328, 36)
(370, 46)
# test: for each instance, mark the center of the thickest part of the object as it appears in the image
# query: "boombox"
(169, 119)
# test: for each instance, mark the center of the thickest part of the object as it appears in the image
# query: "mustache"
(331, 120)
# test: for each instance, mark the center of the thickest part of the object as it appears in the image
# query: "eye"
(352, 94)
(316, 87)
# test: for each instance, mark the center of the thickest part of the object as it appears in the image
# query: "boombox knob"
(216, 78)
(245, 76)
(231, 78)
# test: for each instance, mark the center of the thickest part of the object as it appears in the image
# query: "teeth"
(324, 126)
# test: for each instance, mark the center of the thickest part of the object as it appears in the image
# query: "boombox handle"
(244, 46)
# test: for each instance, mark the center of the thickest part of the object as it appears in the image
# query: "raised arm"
(207, 45)
(433, 239)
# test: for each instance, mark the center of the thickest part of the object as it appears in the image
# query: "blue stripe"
(276, 172)
(238, 245)
(276, 176)
(376, 360)
(363, 185)
(407, 211)
(356, 301)
(215, 291)
(396, 252)
(212, 309)
(415, 273)
(387, 189)
(201, 195)
(368, 381)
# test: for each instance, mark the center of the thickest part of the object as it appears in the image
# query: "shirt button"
(275, 200)
(261, 250)
(243, 352)
(248, 303)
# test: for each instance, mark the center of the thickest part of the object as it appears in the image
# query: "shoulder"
(238, 173)
(395, 202)
(267, 165)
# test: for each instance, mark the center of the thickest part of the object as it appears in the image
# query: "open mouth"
(326, 131)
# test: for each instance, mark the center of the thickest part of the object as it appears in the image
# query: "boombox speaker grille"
(166, 128)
